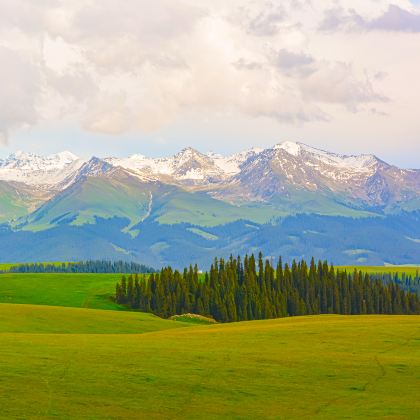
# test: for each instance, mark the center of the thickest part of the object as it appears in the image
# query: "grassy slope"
(77, 290)
(95, 197)
(13, 203)
(409, 270)
(317, 367)
(200, 209)
(7, 266)
(52, 319)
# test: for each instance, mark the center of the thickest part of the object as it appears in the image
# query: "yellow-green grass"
(409, 270)
(60, 289)
(16, 318)
(304, 367)
(8, 266)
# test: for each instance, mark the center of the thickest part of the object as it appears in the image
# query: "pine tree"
(233, 290)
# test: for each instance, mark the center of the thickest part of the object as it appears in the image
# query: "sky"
(112, 77)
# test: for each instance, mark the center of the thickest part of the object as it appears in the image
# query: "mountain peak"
(66, 156)
(187, 152)
(33, 169)
(96, 165)
(293, 148)
(357, 162)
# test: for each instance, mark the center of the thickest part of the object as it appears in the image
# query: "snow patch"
(290, 147)
(38, 170)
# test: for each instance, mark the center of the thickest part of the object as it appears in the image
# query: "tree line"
(250, 289)
(94, 266)
(405, 281)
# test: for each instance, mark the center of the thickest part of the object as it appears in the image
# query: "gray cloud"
(267, 22)
(292, 63)
(394, 19)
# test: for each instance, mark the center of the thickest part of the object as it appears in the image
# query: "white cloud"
(20, 81)
(138, 65)
(336, 83)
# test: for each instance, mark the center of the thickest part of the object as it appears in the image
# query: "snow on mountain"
(363, 178)
(231, 165)
(253, 174)
(354, 162)
(188, 165)
(35, 170)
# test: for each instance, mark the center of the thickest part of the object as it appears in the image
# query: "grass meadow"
(60, 289)
(303, 367)
(62, 356)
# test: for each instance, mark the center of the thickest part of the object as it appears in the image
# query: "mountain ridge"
(194, 205)
(184, 165)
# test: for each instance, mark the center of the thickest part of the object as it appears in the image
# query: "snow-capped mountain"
(289, 199)
(279, 172)
(35, 170)
(288, 167)
(188, 167)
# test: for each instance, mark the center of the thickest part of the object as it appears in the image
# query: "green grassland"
(63, 356)
(60, 289)
(8, 266)
(52, 319)
(386, 269)
(308, 367)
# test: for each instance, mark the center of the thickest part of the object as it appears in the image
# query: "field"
(295, 367)
(60, 289)
(7, 266)
(61, 358)
(59, 320)
(409, 270)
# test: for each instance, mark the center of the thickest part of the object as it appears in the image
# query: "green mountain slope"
(115, 193)
(16, 200)
(94, 197)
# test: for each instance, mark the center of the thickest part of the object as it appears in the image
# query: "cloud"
(294, 62)
(107, 114)
(268, 19)
(394, 19)
(335, 83)
(137, 65)
(20, 81)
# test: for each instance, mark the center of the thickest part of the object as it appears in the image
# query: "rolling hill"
(75, 363)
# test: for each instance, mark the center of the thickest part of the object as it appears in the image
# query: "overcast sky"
(115, 77)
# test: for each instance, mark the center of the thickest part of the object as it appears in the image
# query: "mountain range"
(290, 199)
